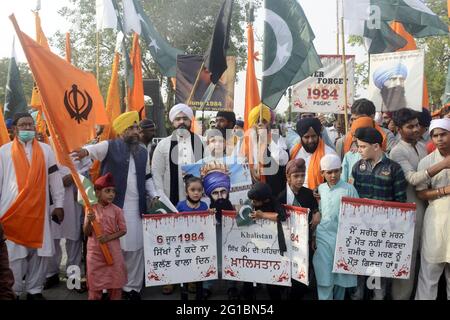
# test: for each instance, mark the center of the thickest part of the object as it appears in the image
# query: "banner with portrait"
(188, 67)
(396, 80)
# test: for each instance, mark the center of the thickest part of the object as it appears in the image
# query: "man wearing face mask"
(127, 160)
(180, 148)
(28, 171)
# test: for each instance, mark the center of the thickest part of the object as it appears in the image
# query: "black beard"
(310, 150)
(219, 205)
(132, 143)
(393, 98)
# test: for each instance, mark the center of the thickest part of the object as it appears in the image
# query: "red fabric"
(430, 147)
(105, 181)
(100, 275)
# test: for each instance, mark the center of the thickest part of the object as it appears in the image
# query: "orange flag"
(4, 135)
(136, 93)
(252, 98)
(42, 40)
(112, 111)
(411, 45)
(71, 98)
(68, 48)
(72, 104)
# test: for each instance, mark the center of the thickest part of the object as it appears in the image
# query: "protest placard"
(179, 248)
(251, 252)
(375, 238)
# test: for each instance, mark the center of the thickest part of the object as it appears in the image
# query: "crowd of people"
(402, 156)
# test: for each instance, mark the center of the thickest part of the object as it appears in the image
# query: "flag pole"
(194, 87)
(63, 151)
(344, 62)
(98, 57)
(337, 27)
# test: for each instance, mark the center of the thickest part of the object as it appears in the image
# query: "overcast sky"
(320, 13)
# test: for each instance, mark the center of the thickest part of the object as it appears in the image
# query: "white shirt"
(133, 239)
(70, 228)
(307, 157)
(9, 192)
(161, 163)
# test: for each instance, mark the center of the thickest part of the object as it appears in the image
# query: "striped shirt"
(385, 181)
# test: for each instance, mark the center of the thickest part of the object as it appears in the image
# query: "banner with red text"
(323, 91)
(299, 227)
(179, 248)
(375, 238)
(251, 253)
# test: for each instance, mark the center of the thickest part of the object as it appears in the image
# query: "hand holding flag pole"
(60, 146)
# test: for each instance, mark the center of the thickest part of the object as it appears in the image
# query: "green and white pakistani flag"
(14, 96)
(90, 191)
(371, 19)
(164, 55)
(160, 206)
(289, 53)
(243, 216)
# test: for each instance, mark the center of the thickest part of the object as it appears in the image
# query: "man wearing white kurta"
(182, 147)
(407, 153)
(28, 262)
(435, 251)
(69, 229)
(128, 162)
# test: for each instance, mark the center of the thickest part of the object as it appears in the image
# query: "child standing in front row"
(110, 217)
(194, 193)
(330, 286)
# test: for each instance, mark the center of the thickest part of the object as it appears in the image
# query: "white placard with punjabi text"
(298, 221)
(375, 238)
(251, 253)
(179, 248)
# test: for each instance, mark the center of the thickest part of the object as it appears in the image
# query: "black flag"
(215, 57)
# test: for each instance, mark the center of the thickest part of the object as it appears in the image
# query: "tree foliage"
(25, 76)
(185, 24)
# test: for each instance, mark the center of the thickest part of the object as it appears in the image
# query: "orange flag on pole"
(136, 92)
(252, 98)
(112, 111)
(4, 135)
(411, 45)
(42, 40)
(72, 104)
(72, 99)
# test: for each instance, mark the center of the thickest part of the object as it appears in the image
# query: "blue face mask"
(25, 135)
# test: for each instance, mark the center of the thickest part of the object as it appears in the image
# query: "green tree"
(186, 24)
(25, 76)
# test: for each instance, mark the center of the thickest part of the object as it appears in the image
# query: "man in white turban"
(180, 148)
(390, 79)
(435, 250)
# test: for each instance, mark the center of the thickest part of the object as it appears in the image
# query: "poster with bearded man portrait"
(396, 80)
